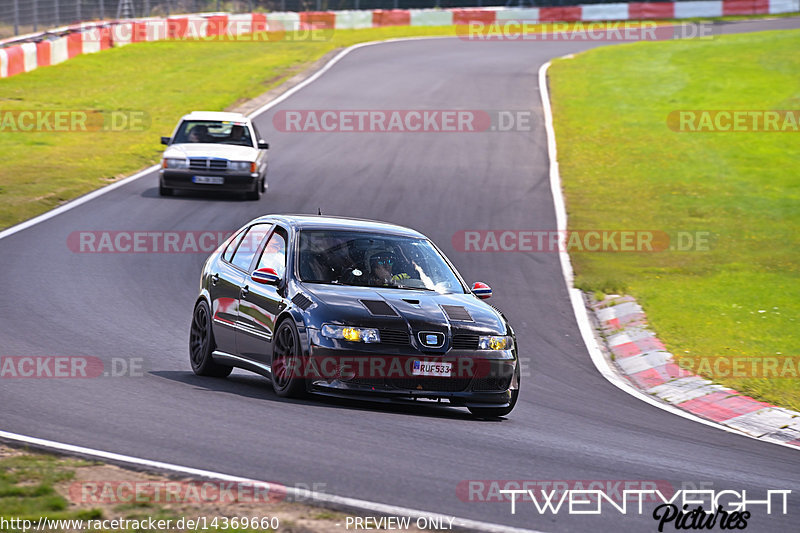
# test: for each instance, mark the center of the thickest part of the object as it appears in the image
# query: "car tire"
(202, 345)
(263, 184)
(165, 191)
(497, 412)
(286, 362)
(254, 194)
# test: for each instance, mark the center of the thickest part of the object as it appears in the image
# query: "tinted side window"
(274, 255)
(234, 242)
(249, 245)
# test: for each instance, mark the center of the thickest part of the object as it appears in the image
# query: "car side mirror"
(263, 145)
(482, 290)
(266, 276)
(165, 140)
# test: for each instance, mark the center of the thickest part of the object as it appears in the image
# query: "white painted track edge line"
(74, 203)
(363, 505)
(575, 295)
(108, 188)
(301, 494)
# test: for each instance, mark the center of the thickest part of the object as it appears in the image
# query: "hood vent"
(302, 301)
(458, 313)
(378, 308)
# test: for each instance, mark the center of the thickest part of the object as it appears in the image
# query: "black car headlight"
(351, 333)
(495, 342)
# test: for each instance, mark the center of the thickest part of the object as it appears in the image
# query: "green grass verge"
(165, 80)
(27, 492)
(36, 485)
(27, 487)
(623, 168)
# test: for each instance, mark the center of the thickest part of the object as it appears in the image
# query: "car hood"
(407, 309)
(224, 151)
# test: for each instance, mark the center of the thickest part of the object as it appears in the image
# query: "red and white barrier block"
(641, 357)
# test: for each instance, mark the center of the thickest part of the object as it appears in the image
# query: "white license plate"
(428, 368)
(209, 180)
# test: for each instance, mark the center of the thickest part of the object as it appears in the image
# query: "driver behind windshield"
(381, 267)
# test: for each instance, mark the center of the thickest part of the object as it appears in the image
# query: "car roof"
(323, 222)
(215, 115)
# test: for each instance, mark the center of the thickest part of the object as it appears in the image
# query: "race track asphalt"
(570, 423)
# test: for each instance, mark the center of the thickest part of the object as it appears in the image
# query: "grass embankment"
(163, 79)
(37, 485)
(624, 168)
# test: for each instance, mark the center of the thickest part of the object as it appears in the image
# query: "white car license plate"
(428, 368)
(210, 180)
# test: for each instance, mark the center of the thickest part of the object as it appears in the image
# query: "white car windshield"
(374, 260)
(215, 132)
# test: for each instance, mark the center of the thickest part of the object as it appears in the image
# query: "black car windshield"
(213, 131)
(374, 260)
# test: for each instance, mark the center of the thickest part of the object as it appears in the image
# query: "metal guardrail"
(19, 17)
(28, 16)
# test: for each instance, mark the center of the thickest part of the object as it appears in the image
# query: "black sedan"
(347, 307)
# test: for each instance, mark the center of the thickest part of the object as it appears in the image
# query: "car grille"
(465, 341)
(492, 383)
(430, 384)
(368, 382)
(204, 163)
(394, 337)
(416, 383)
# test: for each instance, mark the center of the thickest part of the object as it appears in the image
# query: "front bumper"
(184, 180)
(479, 378)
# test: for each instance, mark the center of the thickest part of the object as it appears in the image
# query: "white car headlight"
(240, 166)
(350, 333)
(171, 162)
(495, 342)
